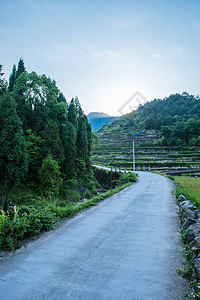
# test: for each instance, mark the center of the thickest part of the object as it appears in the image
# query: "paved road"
(127, 247)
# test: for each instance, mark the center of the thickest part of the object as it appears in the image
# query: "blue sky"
(105, 51)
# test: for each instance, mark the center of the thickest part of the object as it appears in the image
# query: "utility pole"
(133, 137)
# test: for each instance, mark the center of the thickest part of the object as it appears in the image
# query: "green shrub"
(128, 177)
(24, 209)
(41, 219)
(31, 222)
(11, 231)
(62, 212)
(72, 195)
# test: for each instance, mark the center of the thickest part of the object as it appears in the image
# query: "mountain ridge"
(98, 119)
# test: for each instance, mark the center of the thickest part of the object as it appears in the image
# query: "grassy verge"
(190, 188)
(25, 221)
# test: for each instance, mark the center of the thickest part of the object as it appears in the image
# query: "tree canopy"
(39, 130)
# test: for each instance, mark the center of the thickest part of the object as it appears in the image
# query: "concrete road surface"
(126, 247)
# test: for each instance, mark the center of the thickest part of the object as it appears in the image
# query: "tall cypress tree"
(82, 139)
(79, 110)
(12, 78)
(18, 93)
(61, 98)
(51, 142)
(20, 68)
(49, 174)
(89, 137)
(68, 138)
(34, 150)
(72, 114)
(13, 153)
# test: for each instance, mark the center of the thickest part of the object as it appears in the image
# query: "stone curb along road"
(127, 247)
(190, 217)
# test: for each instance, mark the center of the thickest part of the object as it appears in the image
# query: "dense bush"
(128, 177)
(12, 230)
(30, 222)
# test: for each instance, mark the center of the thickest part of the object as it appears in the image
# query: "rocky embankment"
(190, 218)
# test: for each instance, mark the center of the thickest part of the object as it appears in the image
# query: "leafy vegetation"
(22, 222)
(45, 168)
(45, 142)
(128, 177)
(189, 255)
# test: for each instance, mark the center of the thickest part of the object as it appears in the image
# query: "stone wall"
(190, 218)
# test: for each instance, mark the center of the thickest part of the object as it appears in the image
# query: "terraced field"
(117, 150)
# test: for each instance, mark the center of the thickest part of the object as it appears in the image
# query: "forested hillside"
(45, 142)
(176, 119)
(171, 137)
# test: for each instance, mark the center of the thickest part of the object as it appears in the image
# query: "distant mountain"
(97, 120)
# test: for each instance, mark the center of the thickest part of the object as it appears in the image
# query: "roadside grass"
(191, 185)
(190, 188)
(29, 220)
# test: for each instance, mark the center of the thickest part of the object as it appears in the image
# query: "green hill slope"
(171, 135)
(176, 119)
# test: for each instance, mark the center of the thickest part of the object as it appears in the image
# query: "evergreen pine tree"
(20, 68)
(79, 110)
(34, 150)
(19, 90)
(72, 114)
(61, 98)
(89, 137)
(82, 139)
(12, 78)
(49, 174)
(51, 142)
(68, 138)
(13, 153)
